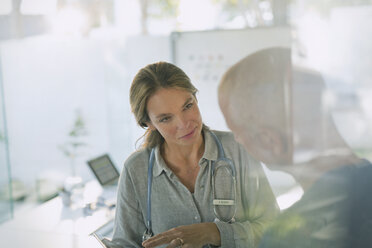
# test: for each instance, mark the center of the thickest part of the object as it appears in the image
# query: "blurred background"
(66, 67)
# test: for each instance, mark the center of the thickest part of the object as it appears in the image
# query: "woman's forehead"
(164, 94)
(167, 100)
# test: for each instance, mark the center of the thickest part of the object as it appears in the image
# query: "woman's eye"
(188, 106)
(165, 119)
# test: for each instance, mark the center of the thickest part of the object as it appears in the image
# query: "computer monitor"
(104, 170)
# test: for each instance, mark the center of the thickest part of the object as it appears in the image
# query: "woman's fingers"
(195, 235)
(159, 239)
(178, 242)
(173, 237)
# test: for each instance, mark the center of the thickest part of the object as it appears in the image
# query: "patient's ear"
(271, 140)
(278, 146)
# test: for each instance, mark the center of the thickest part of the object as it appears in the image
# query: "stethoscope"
(221, 163)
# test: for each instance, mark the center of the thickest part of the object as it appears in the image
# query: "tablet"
(104, 170)
(99, 240)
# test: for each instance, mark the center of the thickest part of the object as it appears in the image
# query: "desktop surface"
(18, 238)
(52, 224)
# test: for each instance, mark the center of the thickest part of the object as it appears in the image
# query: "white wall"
(45, 82)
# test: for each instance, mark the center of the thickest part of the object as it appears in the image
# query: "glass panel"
(6, 205)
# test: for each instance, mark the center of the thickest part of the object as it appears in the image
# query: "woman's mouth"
(189, 135)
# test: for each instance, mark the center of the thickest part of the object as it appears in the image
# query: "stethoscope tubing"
(149, 184)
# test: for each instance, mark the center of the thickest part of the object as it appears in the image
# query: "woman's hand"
(195, 235)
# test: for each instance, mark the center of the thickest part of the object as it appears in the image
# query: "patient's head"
(254, 96)
(277, 111)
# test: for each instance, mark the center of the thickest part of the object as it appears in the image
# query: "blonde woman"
(170, 193)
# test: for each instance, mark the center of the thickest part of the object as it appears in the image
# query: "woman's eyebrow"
(162, 115)
(183, 106)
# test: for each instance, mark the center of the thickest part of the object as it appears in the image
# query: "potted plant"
(72, 148)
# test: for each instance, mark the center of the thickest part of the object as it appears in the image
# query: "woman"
(163, 100)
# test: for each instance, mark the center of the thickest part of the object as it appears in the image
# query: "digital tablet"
(104, 170)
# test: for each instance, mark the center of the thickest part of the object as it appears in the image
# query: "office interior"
(65, 71)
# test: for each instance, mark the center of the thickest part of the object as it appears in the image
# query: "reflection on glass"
(280, 112)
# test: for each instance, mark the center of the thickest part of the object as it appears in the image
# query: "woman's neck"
(183, 153)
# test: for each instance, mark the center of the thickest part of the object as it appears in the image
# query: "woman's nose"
(182, 122)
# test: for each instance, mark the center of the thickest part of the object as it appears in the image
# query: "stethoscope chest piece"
(147, 234)
(224, 190)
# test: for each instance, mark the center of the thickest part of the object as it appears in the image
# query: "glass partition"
(6, 205)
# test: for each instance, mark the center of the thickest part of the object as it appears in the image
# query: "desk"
(37, 239)
(53, 225)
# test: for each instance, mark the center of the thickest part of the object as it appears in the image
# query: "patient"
(278, 113)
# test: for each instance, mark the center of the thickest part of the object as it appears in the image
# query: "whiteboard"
(206, 55)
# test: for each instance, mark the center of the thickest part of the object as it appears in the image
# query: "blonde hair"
(147, 81)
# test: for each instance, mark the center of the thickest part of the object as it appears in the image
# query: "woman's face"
(175, 114)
